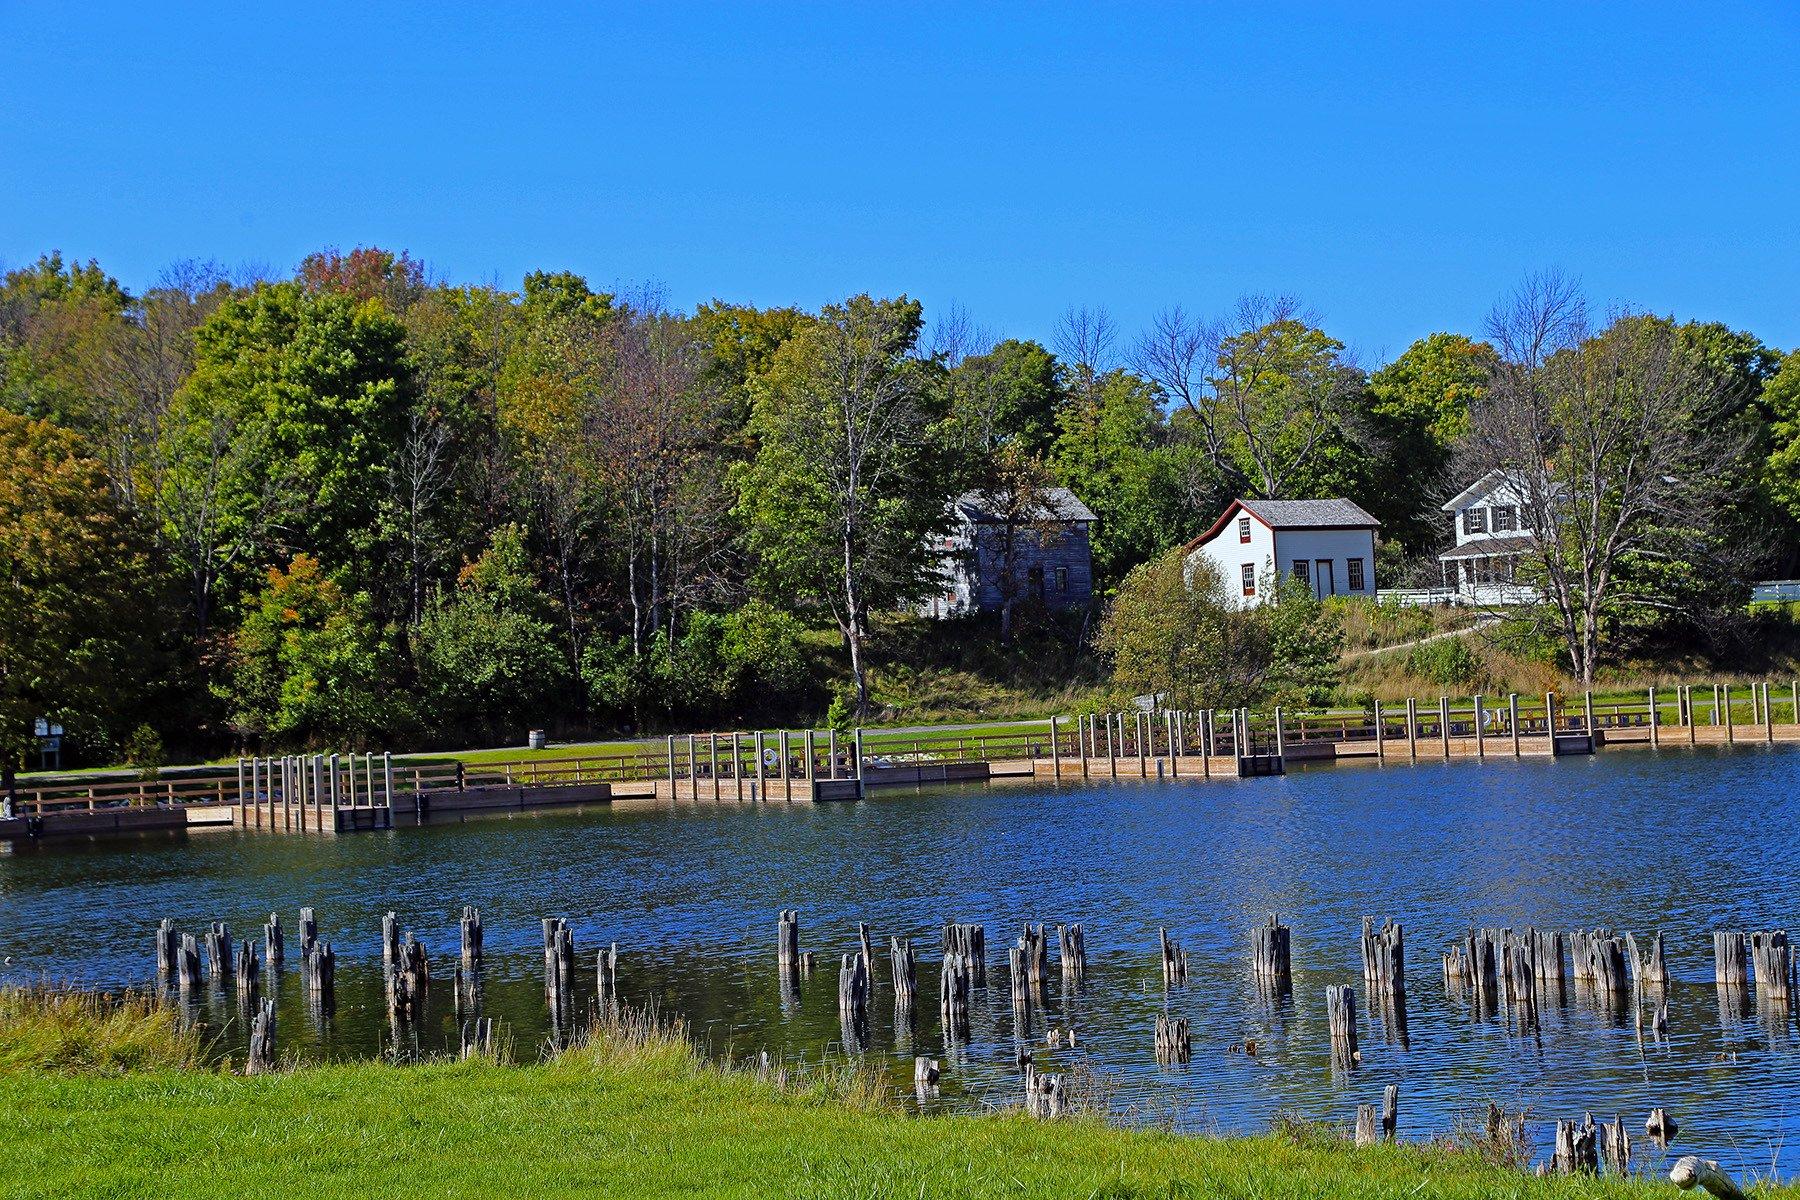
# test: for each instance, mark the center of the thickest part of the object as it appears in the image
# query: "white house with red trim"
(1327, 544)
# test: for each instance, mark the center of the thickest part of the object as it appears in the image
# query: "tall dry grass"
(62, 1030)
(643, 1042)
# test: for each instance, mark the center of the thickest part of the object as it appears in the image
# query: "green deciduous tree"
(489, 655)
(78, 598)
(283, 437)
(846, 484)
(1175, 630)
(311, 666)
(1421, 402)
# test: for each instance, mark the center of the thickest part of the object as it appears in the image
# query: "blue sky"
(1397, 166)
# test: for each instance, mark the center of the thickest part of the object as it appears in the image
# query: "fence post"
(1512, 706)
(787, 771)
(761, 790)
(1174, 751)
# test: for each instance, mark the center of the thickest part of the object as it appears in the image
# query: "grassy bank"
(633, 1111)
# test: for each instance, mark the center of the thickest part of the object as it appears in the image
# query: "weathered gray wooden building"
(1036, 553)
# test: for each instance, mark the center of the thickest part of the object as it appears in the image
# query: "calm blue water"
(1681, 841)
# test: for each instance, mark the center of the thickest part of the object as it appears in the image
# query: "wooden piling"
(1444, 724)
(1380, 734)
(1367, 1131)
(168, 951)
(1773, 960)
(954, 986)
(470, 928)
(606, 979)
(1055, 753)
(969, 941)
(1384, 957)
(903, 964)
(693, 769)
(1412, 729)
(273, 948)
(1575, 1152)
(1174, 960)
(853, 1000)
(1390, 1111)
(1271, 955)
(1730, 964)
(187, 965)
(1173, 1045)
(1071, 952)
(1480, 729)
(1512, 708)
(784, 749)
(262, 1057)
(1340, 1016)
(218, 952)
(787, 940)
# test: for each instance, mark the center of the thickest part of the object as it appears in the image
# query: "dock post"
(1655, 731)
(1768, 721)
(1444, 724)
(1084, 741)
(1796, 701)
(1140, 726)
(1380, 741)
(1587, 704)
(761, 790)
(1412, 729)
(859, 756)
(337, 788)
(1480, 730)
(1204, 717)
(241, 813)
(1730, 729)
(1512, 706)
(831, 750)
(787, 769)
(712, 762)
(1174, 749)
(287, 793)
(387, 781)
(1055, 754)
(1280, 737)
(1112, 752)
(693, 766)
(334, 800)
(737, 765)
(1691, 722)
(811, 770)
(1716, 717)
(1550, 720)
(671, 749)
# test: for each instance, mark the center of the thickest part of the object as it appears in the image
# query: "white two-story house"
(1327, 544)
(1493, 529)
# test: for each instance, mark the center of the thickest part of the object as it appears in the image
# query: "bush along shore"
(112, 1096)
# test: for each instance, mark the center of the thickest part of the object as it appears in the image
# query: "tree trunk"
(852, 628)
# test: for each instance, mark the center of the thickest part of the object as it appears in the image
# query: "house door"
(1324, 584)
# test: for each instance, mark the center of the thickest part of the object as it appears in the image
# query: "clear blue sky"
(1396, 166)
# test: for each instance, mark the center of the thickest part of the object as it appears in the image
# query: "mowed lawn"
(669, 1129)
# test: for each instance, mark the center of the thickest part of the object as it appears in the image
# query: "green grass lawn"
(660, 1127)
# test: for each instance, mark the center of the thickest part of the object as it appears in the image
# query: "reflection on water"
(1681, 842)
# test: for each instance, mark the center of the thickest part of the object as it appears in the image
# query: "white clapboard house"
(1492, 523)
(1327, 544)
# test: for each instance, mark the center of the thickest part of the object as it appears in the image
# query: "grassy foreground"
(112, 1102)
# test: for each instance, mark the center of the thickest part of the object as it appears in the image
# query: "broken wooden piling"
(1071, 953)
(262, 1056)
(970, 941)
(1174, 960)
(1340, 1017)
(1271, 955)
(1173, 1045)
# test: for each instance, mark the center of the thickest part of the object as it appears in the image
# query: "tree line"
(359, 505)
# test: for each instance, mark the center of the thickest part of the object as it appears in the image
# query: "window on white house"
(1474, 520)
(1062, 579)
(1243, 529)
(1505, 518)
(1302, 570)
(1356, 574)
(1249, 579)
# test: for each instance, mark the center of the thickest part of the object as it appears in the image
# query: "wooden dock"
(343, 793)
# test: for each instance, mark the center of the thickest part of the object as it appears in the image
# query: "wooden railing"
(798, 754)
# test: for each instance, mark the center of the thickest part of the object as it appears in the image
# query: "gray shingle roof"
(1061, 505)
(1311, 514)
